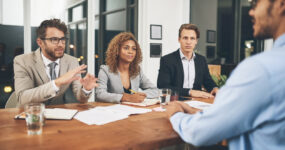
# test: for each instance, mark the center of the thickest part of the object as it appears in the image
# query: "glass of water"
(34, 117)
(164, 96)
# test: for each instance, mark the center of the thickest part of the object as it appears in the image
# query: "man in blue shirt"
(249, 111)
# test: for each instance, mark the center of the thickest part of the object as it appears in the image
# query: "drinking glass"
(164, 96)
(34, 117)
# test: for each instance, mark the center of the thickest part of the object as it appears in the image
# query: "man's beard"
(267, 30)
(266, 33)
(51, 53)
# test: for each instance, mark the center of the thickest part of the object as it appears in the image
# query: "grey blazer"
(110, 87)
(32, 83)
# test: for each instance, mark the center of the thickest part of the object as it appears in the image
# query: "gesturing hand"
(89, 82)
(70, 76)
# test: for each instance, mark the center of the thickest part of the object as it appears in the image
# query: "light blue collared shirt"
(249, 111)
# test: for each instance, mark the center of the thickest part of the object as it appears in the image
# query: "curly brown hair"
(112, 53)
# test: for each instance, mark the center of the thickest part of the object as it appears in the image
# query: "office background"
(225, 26)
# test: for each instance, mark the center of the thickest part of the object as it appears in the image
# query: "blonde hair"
(112, 53)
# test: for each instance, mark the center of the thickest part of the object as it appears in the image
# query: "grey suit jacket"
(32, 83)
(110, 87)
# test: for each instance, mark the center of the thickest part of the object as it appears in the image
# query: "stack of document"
(146, 102)
(102, 115)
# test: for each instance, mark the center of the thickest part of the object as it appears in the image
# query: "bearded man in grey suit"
(45, 74)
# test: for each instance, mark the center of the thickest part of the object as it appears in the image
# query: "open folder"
(54, 113)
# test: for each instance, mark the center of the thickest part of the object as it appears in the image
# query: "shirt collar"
(280, 41)
(47, 61)
(182, 56)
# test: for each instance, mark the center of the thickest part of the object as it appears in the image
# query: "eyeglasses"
(55, 40)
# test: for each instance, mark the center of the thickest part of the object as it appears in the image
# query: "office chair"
(12, 101)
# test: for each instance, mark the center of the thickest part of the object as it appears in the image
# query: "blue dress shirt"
(249, 111)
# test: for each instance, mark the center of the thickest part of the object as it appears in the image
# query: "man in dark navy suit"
(185, 71)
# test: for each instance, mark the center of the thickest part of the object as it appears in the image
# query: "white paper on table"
(99, 116)
(125, 109)
(159, 109)
(146, 102)
(106, 114)
(198, 104)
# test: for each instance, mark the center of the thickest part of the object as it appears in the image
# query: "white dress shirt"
(47, 68)
(189, 70)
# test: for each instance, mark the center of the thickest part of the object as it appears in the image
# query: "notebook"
(146, 102)
(54, 113)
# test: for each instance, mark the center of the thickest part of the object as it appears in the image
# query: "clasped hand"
(177, 106)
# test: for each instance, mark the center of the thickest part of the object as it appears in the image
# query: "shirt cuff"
(86, 92)
(56, 89)
(177, 116)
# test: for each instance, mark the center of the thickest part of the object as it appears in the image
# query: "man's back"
(265, 122)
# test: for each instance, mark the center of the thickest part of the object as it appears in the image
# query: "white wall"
(204, 15)
(268, 44)
(12, 11)
(168, 13)
(47, 9)
(1, 11)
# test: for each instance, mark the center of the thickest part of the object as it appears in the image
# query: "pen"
(132, 91)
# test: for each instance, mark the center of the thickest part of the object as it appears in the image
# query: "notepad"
(146, 102)
(54, 113)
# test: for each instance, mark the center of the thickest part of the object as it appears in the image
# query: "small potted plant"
(219, 80)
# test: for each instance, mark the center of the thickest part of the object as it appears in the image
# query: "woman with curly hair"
(122, 76)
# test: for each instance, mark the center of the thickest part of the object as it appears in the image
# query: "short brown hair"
(56, 23)
(189, 27)
(112, 53)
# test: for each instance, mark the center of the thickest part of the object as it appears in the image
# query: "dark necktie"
(52, 70)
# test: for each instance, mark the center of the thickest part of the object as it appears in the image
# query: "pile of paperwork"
(102, 115)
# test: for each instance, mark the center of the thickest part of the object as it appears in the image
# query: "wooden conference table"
(146, 131)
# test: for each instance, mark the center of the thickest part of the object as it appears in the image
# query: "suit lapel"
(40, 66)
(180, 73)
(197, 71)
(63, 68)
(120, 85)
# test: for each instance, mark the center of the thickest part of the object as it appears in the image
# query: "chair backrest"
(12, 101)
(215, 70)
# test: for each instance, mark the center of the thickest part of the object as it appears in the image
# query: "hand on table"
(215, 91)
(202, 94)
(136, 98)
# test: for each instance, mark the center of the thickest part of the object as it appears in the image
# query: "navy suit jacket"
(171, 74)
